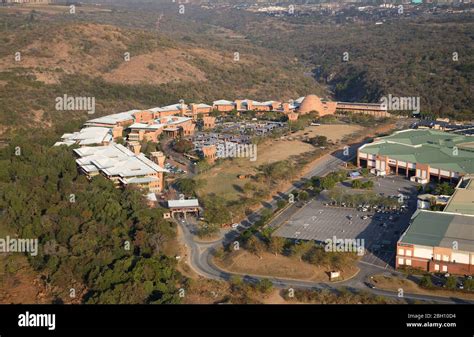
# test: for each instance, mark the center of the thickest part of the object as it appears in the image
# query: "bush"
(264, 286)
(426, 282)
(451, 282)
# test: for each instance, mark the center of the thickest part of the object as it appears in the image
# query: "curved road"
(200, 254)
(200, 260)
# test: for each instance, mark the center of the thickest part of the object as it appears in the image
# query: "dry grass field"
(271, 265)
(223, 179)
(333, 132)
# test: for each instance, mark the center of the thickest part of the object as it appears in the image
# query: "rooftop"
(462, 201)
(116, 160)
(223, 102)
(86, 136)
(440, 229)
(441, 150)
(183, 203)
(113, 119)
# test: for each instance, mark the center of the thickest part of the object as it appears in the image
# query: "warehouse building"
(421, 155)
(442, 241)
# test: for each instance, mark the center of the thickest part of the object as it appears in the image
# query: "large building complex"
(434, 241)
(121, 165)
(128, 166)
(421, 155)
(442, 241)
(302, 106)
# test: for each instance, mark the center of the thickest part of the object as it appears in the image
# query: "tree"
(84, 239)
(303, 196)
(276, 245)
(236, 282)
(319, 141)
(299, 250)
(356, 184)
(264, 285)
(426, 281)
(365, 172)
(203, 166)
(327, 182)
(266, 214)
(469, 284)
(189, 186)
(281, 203)
(444, 189)
(451, 282)
(254, 245)
(207, 230)
(215, 210)
(183, 145)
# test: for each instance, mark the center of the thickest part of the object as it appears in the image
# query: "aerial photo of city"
(173, 160)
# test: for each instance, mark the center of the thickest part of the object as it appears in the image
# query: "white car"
(235, 225)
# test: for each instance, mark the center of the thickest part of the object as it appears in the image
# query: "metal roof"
(183, 203)
(113, 119)
(462, 201)
(87, 136)
(440, 229)
(440, 150)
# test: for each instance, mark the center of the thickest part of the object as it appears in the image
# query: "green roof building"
(420, 154)
(442, 241)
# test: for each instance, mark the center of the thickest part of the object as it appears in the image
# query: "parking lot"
(380, 229)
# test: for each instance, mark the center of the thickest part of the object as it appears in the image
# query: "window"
(437, 267)
(437, 257)
(408, 262)
(445, 257)
(401, 252)
(408, 252)
(445, 268)
(400, 261)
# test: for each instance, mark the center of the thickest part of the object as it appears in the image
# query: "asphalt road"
(200, 254)
(200, 260)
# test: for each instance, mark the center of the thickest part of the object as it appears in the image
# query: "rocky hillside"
(124, 68)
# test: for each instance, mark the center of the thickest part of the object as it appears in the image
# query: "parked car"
(370, 285)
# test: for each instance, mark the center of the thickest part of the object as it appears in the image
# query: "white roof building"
(202, 106)
(183, 203)
(87, 136)
(116, 160)
(112, 119)
(223, 102)
(172, 107)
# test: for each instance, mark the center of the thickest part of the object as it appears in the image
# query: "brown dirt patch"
(277, 150)
(19, 283)
(94, 49)
(156, 68)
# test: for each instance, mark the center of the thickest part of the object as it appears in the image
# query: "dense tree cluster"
(91, 235)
